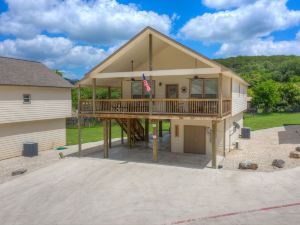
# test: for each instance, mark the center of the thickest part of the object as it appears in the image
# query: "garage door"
(194, 139)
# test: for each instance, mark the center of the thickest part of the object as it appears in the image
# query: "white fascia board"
(154, 73)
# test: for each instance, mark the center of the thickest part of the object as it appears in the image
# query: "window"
(204, 88)
(211, 88)
(197, 88)
(26, 98)
(138, 89)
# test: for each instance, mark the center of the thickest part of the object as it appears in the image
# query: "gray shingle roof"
(29, 73)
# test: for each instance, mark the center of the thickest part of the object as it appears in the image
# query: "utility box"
(30, 149)
(245, 132)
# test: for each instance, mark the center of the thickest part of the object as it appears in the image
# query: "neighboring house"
(203, 100)
(34, 102)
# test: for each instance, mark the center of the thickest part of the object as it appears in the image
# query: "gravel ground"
(265, 146)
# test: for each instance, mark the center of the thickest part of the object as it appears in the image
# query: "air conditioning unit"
(30, 149)
(245, 132)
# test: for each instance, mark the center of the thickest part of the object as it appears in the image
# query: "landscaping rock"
(295, 155)
(278, 163)
(248, 165)
(297, 149)
(19, 171)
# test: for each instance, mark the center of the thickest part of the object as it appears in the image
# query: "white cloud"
(99, 21)
(55, 52)
(244, 23)
(259, 46)
(226, 4)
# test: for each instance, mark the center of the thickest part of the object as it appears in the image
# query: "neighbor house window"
(138, 89)
(204, 88)
(26, 98)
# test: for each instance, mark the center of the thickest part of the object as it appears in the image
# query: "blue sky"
(75, 35)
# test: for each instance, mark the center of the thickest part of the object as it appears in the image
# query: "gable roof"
(29, 73)
(170, 41)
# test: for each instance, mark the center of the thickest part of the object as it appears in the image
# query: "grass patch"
(92, 134)
(263, 121)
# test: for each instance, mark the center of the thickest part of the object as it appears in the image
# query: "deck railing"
(196, 107)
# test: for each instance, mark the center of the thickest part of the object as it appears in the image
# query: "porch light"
(132, 79)
(196, 77)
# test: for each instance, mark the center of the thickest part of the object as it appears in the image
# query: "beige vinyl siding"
(47, 133)
(239, 97)
(46, 103)
(177, 143)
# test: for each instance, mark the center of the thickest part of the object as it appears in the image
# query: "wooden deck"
(184, 107)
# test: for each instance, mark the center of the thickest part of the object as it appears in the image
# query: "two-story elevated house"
(203, 100)
(34, 104)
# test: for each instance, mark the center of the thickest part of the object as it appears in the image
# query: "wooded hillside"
(274, 80)
(261, 68)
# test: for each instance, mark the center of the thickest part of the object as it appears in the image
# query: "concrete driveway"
(83, 191)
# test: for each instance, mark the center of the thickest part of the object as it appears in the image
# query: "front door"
(194, 139)
(171, 93)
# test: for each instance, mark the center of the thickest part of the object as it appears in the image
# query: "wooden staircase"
(137, 130)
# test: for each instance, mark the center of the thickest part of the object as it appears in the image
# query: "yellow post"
(155, 140)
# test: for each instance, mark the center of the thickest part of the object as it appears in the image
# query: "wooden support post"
(147, 130)
(109, 122)
(94, 95)
(224, 138)
(129, 141)
(160, 128)
(105, 138)
(122, 136)
(155, 140)
(109, 133)
(220, 88)
(213, 144)
(78, 121)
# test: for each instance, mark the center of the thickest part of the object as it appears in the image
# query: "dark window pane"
(211, 88)
(197, 88)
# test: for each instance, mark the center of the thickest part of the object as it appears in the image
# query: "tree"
(290, 96)
(266, 95)
(59, 73)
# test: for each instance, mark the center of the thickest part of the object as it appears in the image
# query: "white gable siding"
(47, 133)
(172, 58)
(239, 97)
(46, 103)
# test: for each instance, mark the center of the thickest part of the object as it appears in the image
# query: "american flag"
(146, 85)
